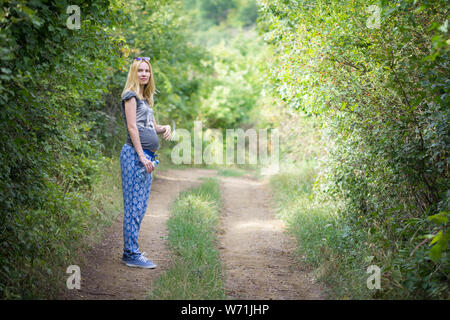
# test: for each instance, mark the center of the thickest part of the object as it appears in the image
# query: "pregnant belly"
(149, 138)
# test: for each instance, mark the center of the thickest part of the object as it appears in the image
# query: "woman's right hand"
(147, 164)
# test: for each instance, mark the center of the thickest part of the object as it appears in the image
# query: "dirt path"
(104, 276)
(256, 252)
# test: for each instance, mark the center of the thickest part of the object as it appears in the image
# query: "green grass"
(106, 200)
(323, 240)
(196, 272)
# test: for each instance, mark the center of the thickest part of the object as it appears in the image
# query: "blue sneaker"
(140, 262)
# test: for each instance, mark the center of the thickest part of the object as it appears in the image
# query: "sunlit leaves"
(382, 89)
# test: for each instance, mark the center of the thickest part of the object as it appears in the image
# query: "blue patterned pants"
(136, 184)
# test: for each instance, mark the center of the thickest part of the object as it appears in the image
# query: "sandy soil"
(255, 250)
(257, 253)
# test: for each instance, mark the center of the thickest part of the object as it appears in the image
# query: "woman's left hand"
(167, 132)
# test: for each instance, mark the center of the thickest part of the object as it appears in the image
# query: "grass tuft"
(196, 272)
(323, 240)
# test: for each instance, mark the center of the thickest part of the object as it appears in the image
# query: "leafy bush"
(49, 73)
(382, 94)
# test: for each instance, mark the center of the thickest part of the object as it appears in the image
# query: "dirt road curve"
(255, 251)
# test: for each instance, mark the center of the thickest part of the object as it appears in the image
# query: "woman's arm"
(130, 114)
(162, 129)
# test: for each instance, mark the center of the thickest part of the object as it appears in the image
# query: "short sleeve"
(128, 95)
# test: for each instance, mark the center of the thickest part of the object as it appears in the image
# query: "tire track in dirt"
(104, 276)
(256, 252)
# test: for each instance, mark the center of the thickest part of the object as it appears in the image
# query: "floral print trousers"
(136, 184)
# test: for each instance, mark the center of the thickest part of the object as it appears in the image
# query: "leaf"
(436, 238)
(440, 242)
(440, 218)
(436, 253)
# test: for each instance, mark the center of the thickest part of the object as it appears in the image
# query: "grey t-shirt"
(144, 121)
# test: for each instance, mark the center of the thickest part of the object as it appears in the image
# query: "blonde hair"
(133, 82)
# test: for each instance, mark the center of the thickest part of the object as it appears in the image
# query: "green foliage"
(247, 12)
(160, 32)
(229, 95)
(382, 93)
(441, 239)
(244, 14)
(229, 86)
(210, 12)
(49, 73)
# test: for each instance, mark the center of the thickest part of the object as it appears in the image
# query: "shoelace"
(143, 259)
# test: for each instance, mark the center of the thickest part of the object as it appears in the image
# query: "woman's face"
(143, 73)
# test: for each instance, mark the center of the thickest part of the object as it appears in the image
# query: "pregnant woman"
(137, 155)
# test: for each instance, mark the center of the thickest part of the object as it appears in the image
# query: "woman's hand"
(167, 132)
(147, 163)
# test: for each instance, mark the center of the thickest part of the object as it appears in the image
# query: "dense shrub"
(49, 75)
(382, 93)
